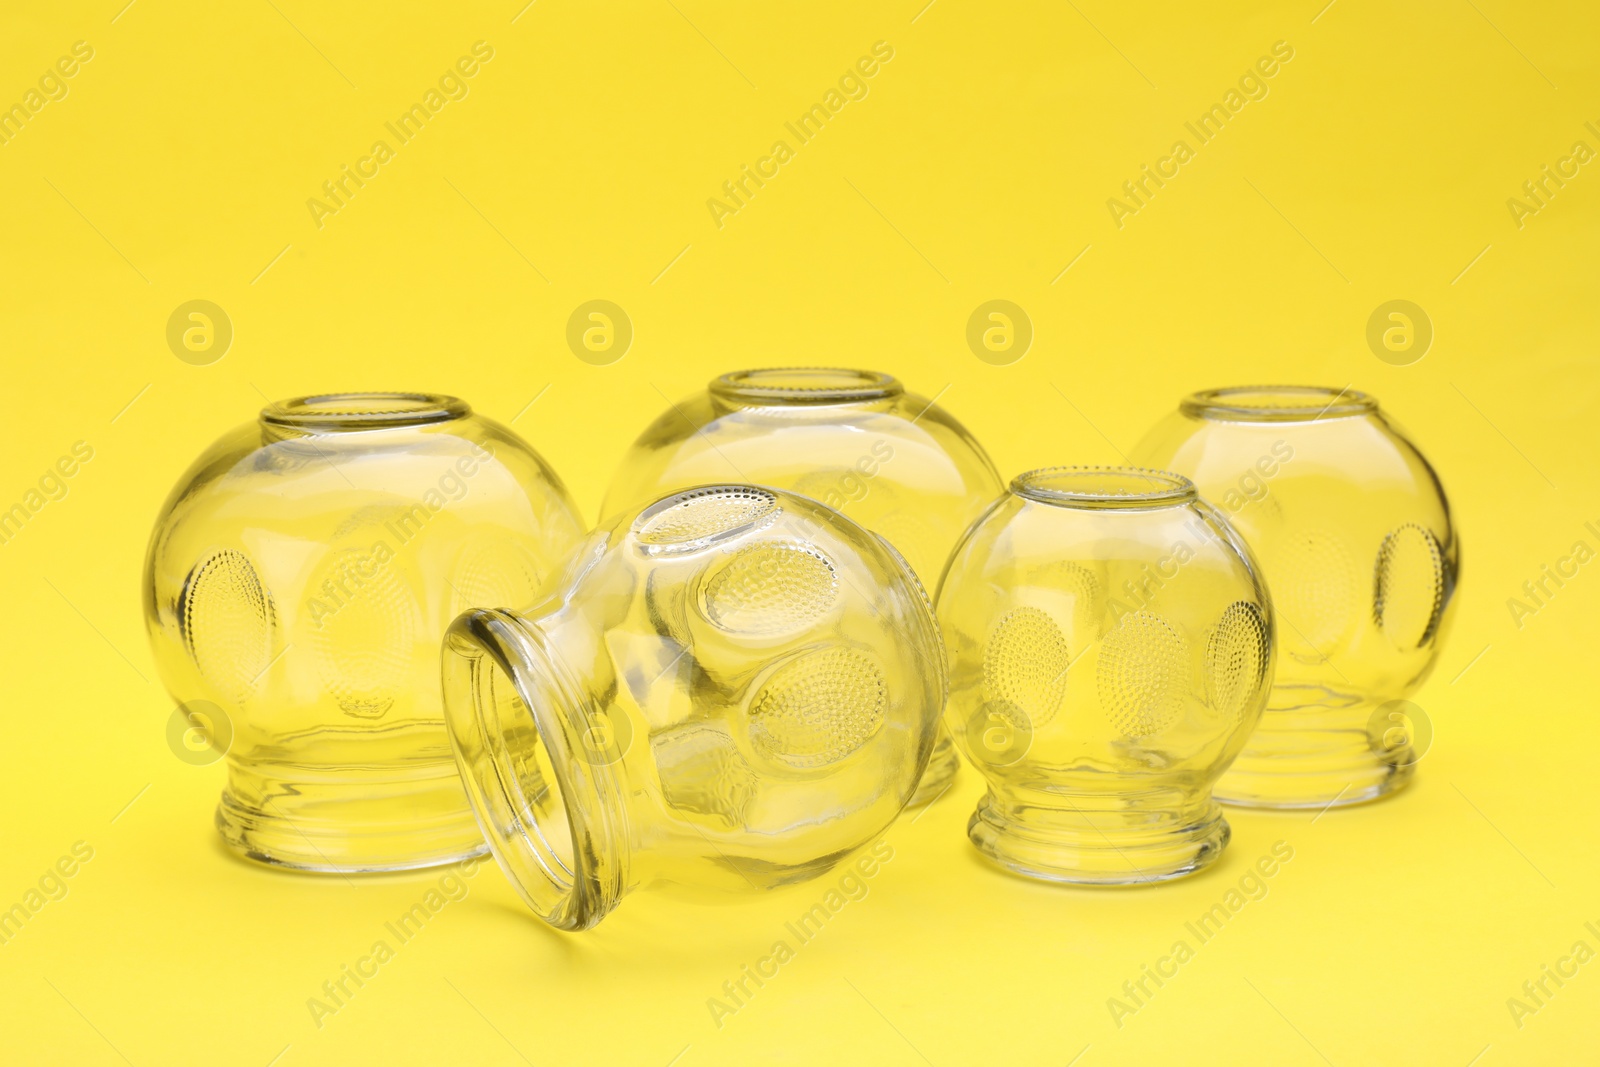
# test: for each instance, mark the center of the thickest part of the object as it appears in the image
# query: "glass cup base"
(1099, 848)
(1315, 755)
(308, 820)
(943, 766)
(1308, 783)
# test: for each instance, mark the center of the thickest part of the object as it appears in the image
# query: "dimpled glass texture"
(729, 690)
(1355, 538)
(856, 440)
(1110, 649)
(298, 583)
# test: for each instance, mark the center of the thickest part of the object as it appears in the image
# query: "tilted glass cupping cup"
(856, 440)
(298, 583)
(731, 689)
(1355, 538)
(1110, 649)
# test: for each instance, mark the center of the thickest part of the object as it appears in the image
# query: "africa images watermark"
(199, 332)
(51, 87)
(1537, 992)
(1539, 191)
(51, 886)
(52, 486)
(854, 484)
(999, 332)
(1252, 487)
(1252, 86)
(452, 85)
(852, 85)
(359, 569)
(1538, 592)
(599, 332)
(338, 991)
(1399, 332)
(1252, 887)
(852, 887)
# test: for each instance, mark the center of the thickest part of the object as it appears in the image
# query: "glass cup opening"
(1277, 403)
(805, 385)
(342, 412)
(1098, 488)
(512, 727)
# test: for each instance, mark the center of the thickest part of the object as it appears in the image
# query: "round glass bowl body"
(856, 440)
(1110, 649)
(729, 690)
(298, 583)
(1355, 538)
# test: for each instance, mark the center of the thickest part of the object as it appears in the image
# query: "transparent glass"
(1355, 538)
(729, 690)
(1110, 648)
(890, 460)
(298, 583)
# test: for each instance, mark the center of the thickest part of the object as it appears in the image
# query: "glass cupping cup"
(855, 440)
(1356, 540)
(730, 689)
(298, 583)
(1110, 649)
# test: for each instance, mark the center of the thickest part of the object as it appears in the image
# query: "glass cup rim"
(346, 411)
(1277, 403)
(1104, 487)
(834, 385)
(569, 893)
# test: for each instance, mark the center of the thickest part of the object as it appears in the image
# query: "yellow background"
(978, 167)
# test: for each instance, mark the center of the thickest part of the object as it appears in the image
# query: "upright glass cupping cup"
(298, 583)
(1355, 538)
(855, 440)
(1110, 648)
(729, 690)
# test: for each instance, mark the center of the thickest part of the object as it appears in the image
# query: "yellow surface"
(978, 166)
